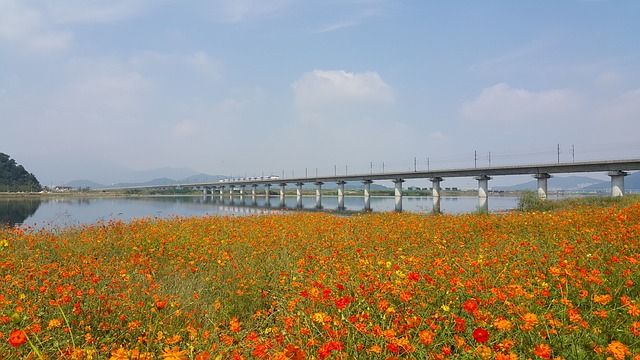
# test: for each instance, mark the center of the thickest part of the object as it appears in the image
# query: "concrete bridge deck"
(616, 169)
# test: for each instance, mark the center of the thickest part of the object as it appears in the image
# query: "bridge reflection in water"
(351, 204)
(616, 170)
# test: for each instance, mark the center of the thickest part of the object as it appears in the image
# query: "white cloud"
(321, 88)
(29, 28)
(101, 91)
(621, 114)
(235, 11)
(95, 11)
(185, 129)
(609, 78)
(503, 104)
(198, 60)
(354, 20)
(204, 63)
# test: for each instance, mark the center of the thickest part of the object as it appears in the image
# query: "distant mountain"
(84, 184)
(556, 183)
(203, 178)
(163, 172)
(631, 182)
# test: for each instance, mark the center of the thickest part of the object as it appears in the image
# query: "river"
(65, 211)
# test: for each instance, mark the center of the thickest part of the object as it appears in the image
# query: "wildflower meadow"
(535, 285)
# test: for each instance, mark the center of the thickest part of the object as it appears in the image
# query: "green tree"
(14, 177)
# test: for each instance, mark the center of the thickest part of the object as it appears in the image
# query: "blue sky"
(93, 89)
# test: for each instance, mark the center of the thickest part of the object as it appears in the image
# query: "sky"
(104, 90)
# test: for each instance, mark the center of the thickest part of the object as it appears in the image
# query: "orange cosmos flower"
(234, 324)
(160, 304)
(17, 338)
(120, 354)
(502, 324)
(618, 350)
(602, 299)
(543, 351)
(294, 353)
(426, 337)
(530, 320)
(174, 354)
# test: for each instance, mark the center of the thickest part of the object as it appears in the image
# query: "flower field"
(533, 285)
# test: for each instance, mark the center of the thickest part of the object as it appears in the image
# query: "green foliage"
(530, 201)
(14, 177)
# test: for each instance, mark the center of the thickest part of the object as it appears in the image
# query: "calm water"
(57, 212)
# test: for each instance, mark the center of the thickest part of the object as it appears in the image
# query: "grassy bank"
(561, 284)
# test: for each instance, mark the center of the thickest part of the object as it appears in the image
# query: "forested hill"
(14, 177)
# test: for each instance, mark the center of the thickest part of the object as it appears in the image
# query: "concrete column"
(483, 204)
(436, 205)
(319, 194)
(542, 184)
(282, 190)
(398, 194)
(221, 190)
(231, 191)
(341, 188)
(299, 196)
(483, 185)
(367, 194)
(367, 187)
(267, 189)
(617, 182)
(435, 186)
(253, 190)
(299, 190)
(205, 191)
(398, 190)
(242, 189)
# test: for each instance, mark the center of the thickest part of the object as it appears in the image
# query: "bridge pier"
(253, 190)
(367, 194)
(282, 193)
(221, 190)
(319, 194)
(542, 184)
(341, 187)
(242, 187)
(483, 185)
(483, 192)
(299, 195)
(617, 182)
(398, 194)
(436, 191)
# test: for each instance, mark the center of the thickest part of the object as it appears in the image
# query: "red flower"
(480, 335)
(342, 302)
(17, 338)
(160, 304)
(470, 306)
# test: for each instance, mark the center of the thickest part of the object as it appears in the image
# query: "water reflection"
(16, 211)
(71, 211)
